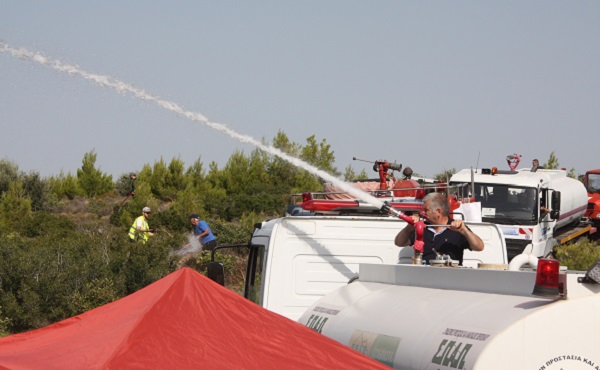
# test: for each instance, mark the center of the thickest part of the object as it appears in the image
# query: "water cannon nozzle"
(395, 167)
(386, 208)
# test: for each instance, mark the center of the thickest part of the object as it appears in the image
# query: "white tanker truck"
(536, 210)
(295, 260)
(426, 317)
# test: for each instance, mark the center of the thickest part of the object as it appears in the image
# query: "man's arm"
(139, 226)
(403, 237)
(474, 241)
(204, 233)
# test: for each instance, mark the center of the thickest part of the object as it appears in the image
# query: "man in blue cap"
(203, 233)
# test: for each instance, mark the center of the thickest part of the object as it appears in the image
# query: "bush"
(4, 323)
(578, 256)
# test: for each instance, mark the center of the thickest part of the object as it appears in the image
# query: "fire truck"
(296, 259)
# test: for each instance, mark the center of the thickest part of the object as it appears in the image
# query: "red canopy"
(183, 321)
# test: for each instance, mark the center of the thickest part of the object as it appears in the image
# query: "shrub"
(578, 256)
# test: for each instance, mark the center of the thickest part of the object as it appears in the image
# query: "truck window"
(507, 204)
(254, 274)
(593, 182)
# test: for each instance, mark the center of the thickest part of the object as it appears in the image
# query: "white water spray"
(193, 246)
(122, 87)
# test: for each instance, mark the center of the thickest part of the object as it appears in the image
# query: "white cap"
(146, 210)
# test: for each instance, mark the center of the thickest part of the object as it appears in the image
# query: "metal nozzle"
(395, 167)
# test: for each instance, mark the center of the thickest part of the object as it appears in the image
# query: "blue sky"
(433, 85)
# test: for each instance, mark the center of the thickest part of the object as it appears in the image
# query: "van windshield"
(506, 204)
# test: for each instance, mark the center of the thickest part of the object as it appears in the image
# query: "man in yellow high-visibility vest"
(140, 230)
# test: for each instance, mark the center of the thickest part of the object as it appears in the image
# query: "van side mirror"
(216, 272)
(555, 205)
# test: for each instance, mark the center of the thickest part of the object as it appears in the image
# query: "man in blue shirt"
(203, 233)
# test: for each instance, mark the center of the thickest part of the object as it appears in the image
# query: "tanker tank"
(423, 317)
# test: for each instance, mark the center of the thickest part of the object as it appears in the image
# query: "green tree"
(552, 163)
(350, 174)
(282, 172)
(157, 179)
(15, 207)
(258, 174)
(446, 175)
(9, 171)
(196, 175)
(175, 179)
(65, 186)
(319, 155)
(236, 173)
(92, 180)
(38, 190)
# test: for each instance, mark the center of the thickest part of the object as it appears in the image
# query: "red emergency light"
(547, 280)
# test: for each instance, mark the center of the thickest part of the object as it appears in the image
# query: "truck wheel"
(353, 279)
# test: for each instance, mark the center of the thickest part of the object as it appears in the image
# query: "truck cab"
(591, 181)
(529, 207)
(295, 260)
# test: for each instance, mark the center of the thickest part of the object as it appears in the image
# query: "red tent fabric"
(183, 321)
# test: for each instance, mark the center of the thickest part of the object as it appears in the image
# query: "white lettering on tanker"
(571, 362)
(377, 346)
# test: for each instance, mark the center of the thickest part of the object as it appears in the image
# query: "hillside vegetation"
(64, 246)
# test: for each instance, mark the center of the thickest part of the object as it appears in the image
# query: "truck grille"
(514, 247)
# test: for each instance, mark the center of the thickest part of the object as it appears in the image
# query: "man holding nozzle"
(442, 233)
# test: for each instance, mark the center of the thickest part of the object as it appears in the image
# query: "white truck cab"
(515, 200)
(295, 260)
